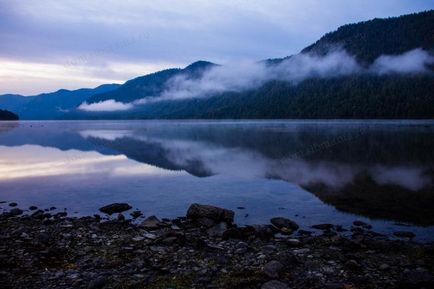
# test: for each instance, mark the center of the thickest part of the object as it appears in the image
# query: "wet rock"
(32, 208)
(323, 227)
(282, 223)
(273, 269)
(274, 284)
(115, 208)
(120, 218)
(358, 223)
(136, 214)
(404, 234)
(151, 223)
(217, 230)
(13, 204)
(217, 214)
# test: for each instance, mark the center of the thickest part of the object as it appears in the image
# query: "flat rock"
(115, 208)
(196, 211)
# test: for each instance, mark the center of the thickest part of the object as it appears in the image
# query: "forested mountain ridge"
(151, 85)
(361, 95)
(370, 39)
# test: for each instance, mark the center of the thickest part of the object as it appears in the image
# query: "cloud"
(242, 76)
(414, 61)
(105, 106)
(249, 75)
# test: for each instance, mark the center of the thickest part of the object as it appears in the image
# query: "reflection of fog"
(236, 162)
(110, 135)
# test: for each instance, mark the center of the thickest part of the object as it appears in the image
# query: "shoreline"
(203, 249)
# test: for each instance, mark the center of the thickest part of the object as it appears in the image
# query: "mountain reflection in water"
(380, 170)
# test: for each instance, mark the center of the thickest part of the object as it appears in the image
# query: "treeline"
(7, 115)
(370, 39)
(357, 96)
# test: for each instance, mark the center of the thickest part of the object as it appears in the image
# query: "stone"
(217, 214)
(151, 223)
(384, 267)
(281, 223)
(404, 234)
(15, 212)
(231, 233)
(417, 279)
(32, 208)
(263, 231)
(274, 284)
(217, 230)
(352, 265)
(358, 223)
(169, 241)
(13, 204)
(97, 283)
(273, 269)
(121, 217)
(323, 227)
(136, 214)
(115, 208)
(206, 222)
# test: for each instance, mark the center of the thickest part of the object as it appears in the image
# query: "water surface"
(313, 172)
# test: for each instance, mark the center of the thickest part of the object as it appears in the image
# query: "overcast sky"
(49, 44)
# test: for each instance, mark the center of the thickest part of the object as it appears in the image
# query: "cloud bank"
(251, 75)
(414, 61)
(105, 106)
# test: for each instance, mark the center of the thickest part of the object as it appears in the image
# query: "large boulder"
(284, 224)
(115, 208)
(216, 214)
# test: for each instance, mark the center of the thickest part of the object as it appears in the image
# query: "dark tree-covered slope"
(151, 85)
(368, 40)
(7, 115)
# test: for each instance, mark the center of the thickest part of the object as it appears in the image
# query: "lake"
(381, 172)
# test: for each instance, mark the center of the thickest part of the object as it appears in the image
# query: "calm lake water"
(381, 172)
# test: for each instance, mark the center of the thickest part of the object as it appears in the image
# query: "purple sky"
(49, 44)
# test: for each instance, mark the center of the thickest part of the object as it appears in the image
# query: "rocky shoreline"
(204, 249)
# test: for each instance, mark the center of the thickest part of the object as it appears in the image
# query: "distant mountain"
(7, 115)
(50, 105)
(351, 96)
(151, 85)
